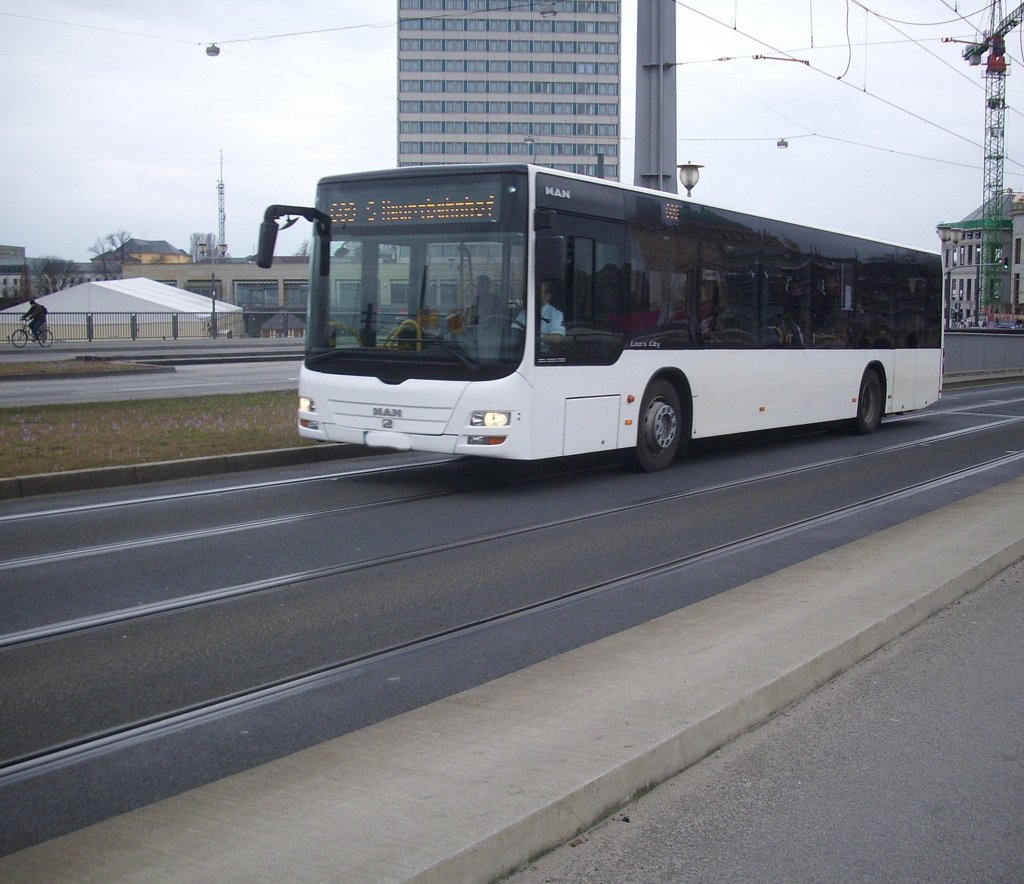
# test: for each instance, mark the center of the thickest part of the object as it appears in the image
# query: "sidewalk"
(905, 768)
(472, 787)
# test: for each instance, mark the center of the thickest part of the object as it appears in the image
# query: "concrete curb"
(980, 379)
(472, 787)
(138, 474)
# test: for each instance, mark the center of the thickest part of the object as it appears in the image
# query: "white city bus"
(666, 320)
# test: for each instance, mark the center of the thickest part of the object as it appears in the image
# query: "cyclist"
(36, 316)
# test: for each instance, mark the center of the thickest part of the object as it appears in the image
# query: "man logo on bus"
(557, 191)
(387, 412)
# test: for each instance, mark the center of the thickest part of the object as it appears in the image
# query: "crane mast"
(993, 221)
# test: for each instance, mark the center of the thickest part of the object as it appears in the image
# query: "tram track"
(297, 578)
(55, 757)
(135, 680)
(261, 486)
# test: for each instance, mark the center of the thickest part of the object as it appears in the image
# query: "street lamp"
(203, 249)
(689, 175)
(950, 236)
(945, 233)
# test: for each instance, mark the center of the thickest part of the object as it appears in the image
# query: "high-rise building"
(492, 81)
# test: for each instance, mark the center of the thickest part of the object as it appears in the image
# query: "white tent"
(130, 308)
(126, 296)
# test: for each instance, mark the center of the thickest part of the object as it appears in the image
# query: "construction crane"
(992, 50)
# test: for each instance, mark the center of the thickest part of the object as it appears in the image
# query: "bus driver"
(552, 322)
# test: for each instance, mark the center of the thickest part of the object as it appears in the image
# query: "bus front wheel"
(660, 429)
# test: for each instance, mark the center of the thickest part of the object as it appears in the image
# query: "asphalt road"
(350, 562)
(248, 366)
(183, 380)
(820, 804)
(909, 767)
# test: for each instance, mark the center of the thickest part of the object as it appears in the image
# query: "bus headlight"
(492, 419)
(307, 406)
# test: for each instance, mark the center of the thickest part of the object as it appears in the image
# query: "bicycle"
(21, 336)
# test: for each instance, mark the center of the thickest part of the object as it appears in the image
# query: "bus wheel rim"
(662, 425)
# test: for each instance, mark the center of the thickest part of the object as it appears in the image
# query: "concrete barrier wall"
(989, 352)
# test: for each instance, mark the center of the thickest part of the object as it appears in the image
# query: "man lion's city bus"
(511, 311)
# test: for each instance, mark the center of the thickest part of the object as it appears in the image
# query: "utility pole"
(655, 160)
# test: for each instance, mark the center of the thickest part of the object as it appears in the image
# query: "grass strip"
(66, 367)
(56, 438)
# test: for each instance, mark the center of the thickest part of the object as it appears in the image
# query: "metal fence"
(163, 326)
(989, 351)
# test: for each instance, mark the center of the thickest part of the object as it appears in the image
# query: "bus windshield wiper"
(453, 349)
(325, 356)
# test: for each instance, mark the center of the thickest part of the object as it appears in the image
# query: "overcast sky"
(114, 116)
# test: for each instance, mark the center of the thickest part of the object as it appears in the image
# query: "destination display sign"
(440, 203)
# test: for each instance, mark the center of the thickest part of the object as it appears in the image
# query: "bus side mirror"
(268, 239)
(551, 258)
(269, 228)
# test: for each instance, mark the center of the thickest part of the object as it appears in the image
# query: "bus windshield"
(425, 281)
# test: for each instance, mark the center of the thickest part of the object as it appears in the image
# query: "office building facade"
(493, 81)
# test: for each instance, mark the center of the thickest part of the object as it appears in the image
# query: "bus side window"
(591, 301)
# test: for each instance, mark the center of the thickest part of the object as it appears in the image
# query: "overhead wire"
(69, 24)
(520, 4)
(820, 48)
(808, 133)
(513, 5)
(927, 24)
(849, 45)
(920, 45)
(232, 53)
(964, 19)
(299, 73)
(850, 142)
(956, 70)
(822, 72)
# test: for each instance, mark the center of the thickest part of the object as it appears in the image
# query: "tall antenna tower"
(222, 246)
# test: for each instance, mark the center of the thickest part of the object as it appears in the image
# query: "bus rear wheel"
(869, 404)
(660, 431)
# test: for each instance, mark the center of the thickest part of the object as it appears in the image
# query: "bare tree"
(111, 248)
(53, 273)
(118, 240)
(26, 283)
(99, 253)
(303, 249)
